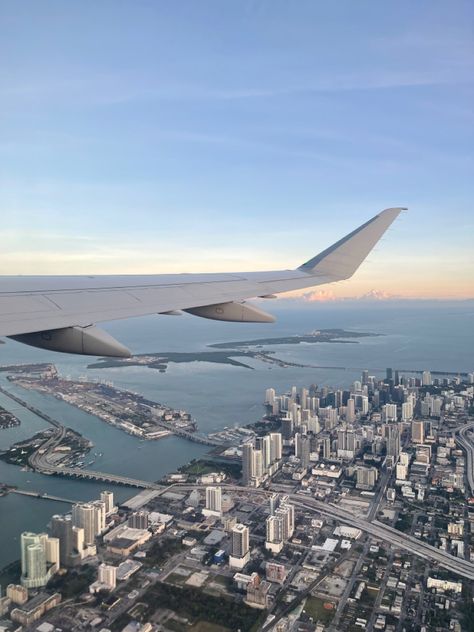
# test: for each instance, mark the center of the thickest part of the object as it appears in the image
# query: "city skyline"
(155, 139)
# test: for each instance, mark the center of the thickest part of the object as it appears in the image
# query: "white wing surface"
(58, 312)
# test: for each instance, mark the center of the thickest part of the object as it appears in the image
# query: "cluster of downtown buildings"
(323, 430)
(71, 539)
(385, 442)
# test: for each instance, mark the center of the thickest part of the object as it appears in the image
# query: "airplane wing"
(60, 312)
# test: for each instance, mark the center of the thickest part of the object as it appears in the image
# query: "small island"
(7, 419)
(234, 353)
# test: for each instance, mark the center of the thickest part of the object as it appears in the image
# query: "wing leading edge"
(49, 306)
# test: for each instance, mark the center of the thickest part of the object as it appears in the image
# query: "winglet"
(342, 259)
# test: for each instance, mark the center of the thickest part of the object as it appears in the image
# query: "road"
(465, 439)
(375, 528)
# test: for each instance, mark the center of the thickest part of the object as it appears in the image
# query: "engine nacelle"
(232, 312)
(83, 340)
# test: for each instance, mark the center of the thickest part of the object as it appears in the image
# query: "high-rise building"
(407, 411)
(52, 551)
(302, 449)
(91, 518)
(350, 411)
(264, 445)
(389, 413)
(108, 575)
(39, 559)
(366, 477)
(426, 379)
(106, 578)
(274, 534)
(108, 498)
(274, 501)
(79, 542)
(287, 428)
(270, 396)
(286, 511)
(276, 444)
(392, 439)
(418, 431)
(248, 467)
(346, 443)
(258, 466)
(326, 447)
(213, 502)
(139, 520)
(240, 550)
(405, 458)
(61, 528)
(314, 425)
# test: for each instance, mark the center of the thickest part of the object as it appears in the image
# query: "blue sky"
(148, 136)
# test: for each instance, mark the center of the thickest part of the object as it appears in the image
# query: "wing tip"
(383, 220)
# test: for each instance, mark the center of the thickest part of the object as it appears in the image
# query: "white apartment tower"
(213, 502)
(108, 498)
(39, 559)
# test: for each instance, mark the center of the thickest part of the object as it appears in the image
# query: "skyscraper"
(418, 431)
(213, 502)
(61, 528)
(275, 446)
(258, 466)
(274, 534)
(287, 428)
(302, 449)
(239, 551)
(366, 477)
(107, 575)
(274, 500)
(108, 499)
(39, 559)
(264, 445)
(392, 437)
(426, 379)
(139, 520)
(407, 411)
(247, 463)
(350, 411)
(326, 447)
(286, 512)
(91, 518)
(389, 412)
(270, 396)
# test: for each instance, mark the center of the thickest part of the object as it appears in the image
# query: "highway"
(390, 535)
(465, 439)
(374, 528)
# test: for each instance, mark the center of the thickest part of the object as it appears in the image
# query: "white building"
(213, 502)
(108, 498)
(106, 580)
(39, 559)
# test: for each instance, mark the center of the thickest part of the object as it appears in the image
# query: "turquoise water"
(438, 336)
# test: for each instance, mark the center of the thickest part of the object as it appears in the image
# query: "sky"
(155, 136)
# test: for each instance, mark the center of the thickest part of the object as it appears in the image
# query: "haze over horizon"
(154, 138)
